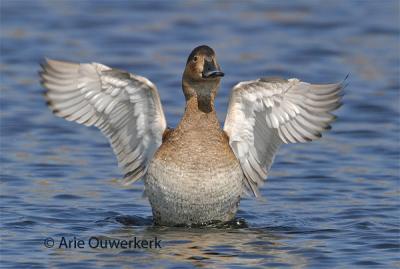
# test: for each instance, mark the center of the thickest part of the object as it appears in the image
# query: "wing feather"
(265, 113)
(124, 106)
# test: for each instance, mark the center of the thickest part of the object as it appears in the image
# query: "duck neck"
(200, 110)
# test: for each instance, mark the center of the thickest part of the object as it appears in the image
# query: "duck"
(197, 172)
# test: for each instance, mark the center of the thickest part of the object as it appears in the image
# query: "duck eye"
(195, 59)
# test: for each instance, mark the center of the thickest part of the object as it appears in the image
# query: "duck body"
(194, 177)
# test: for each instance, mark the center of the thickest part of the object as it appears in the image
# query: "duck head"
(202, 77)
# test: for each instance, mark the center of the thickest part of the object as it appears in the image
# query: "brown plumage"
(195, 158)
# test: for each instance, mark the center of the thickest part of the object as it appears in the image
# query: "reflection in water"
(223, 247)
(203, 247)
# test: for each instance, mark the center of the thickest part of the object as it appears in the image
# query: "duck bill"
(211, 70)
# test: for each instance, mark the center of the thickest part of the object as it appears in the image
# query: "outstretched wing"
(125, 107)
(267, 112)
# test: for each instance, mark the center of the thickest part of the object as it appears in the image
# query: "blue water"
(333, 203)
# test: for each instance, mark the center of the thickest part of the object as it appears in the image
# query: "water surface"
(331, 203)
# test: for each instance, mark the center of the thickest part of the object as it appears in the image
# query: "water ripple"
(333, 203)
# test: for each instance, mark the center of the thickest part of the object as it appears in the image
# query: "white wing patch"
(265, 113)
(125, 107)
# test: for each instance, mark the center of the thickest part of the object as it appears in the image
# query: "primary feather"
(125, 107)
(267, 112)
